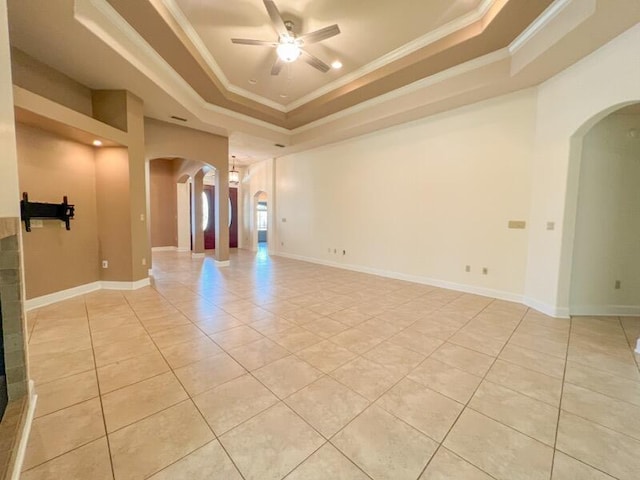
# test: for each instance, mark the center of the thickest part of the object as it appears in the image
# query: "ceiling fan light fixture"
(288, 52)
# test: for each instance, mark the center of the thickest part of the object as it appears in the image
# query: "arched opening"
(601, 252)
(261, 222)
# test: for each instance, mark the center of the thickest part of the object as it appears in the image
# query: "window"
(205, 211)
(261, 218)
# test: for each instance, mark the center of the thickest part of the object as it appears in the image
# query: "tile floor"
(273, 368)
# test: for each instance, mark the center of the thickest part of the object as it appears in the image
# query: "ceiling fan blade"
(315, 62)
(319, 35)
(276, 18)
(277, 66)
(248, 41)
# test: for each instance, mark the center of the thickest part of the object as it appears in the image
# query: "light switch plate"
(517, 224)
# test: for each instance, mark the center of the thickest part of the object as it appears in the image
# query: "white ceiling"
(370, 30)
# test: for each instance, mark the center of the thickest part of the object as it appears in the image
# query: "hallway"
(274, 368)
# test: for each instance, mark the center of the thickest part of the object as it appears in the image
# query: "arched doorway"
(261, 221)
(209, 209)
(600, 265)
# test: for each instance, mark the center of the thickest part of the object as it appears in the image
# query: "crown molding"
(420, 42)
(539, 24)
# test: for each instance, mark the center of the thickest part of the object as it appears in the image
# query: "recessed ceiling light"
(97, 143)
(253, 81)
(337, 64)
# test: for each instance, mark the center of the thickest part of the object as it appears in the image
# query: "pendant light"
(234, 175)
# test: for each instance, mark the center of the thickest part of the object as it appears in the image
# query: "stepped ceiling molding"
(401, 60)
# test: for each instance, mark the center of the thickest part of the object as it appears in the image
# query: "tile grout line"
(466, 405)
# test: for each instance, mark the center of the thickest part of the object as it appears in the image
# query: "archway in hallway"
(601, 253)
(209, 212)
(261, 222)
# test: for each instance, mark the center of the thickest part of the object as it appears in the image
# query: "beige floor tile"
(236, 336)
(349, 317)
(123, 350)
(567, 468)
(118, 334)
(60, 346)
(416, 341)
(272, 325)
(446, 465)
(426, 410)
(327, 463)
(327, 405)
(380, 327)
(295, 339)
(604, 410)
(326, 356)
(271, 444)
(540, 362)
(46, 368)
(175, 335)
(384, 447)
(528, 382)
(65, 392)
(153, 325)
(232, 403)
(105, 322)
(208, 373)
(287, 375)
(499, 450)
(435, 329)
(602, 382)
(447, 380)
(612, 364)
(301, 316)
(192, 351)
(325, 327)
(600, 447)
(62, 431)
(150, 445)
(551, 346)
(90, 461)
(525, 414)
(132, 370)
(477, 342)
(218, 323)
(207, 463)
(470, 361)
(394, 357)
(367, 378)
(129, 404)
(258, 354)
(79, 330)
(357, 340)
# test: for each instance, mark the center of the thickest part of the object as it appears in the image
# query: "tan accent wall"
(163, 203)
(50, 167)
(114, 225)
(35, 76)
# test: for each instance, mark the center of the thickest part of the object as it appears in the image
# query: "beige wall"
(419, 201)
(163, 203)
(607, 246)
(49, 168)
(39, 78)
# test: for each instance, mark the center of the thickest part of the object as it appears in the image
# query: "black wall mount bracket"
(59, 211)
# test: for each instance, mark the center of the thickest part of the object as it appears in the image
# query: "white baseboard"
(26, 430)
(126, 285)
(602, 310)
(637, 350)
(164, 249)
(61, 295)
(55, 297)
(197, 255)
(183, 249)
(551, 310)
(222, 263)
(482, 291)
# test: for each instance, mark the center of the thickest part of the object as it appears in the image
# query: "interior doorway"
(261, 220)
(209, 216)
(605, 266)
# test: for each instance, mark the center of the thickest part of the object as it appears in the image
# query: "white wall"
(255, 178)
(9, 191)
(419, 201)
(568, 105)
(607, 233)
(184, 221)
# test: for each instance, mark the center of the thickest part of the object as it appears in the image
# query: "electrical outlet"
(617, 285)
(551, 225)
(467, 268)
(485, 271)
(105, 263)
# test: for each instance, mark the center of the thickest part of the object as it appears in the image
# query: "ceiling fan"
(289, 46)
